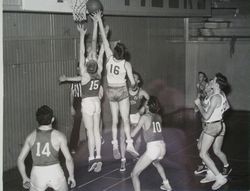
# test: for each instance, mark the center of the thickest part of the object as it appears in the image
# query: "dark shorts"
(117, 94)
(214, 129)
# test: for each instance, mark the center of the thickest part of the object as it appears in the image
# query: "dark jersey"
(154, 133)
(91, 89)
(42, 151)
(135, 103)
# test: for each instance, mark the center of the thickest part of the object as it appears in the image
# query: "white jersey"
(218, 111)
(116, 72)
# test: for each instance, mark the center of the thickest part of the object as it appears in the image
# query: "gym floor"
(181, 131)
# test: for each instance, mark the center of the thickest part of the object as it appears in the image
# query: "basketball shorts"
(91, 105)
(51, 176)
(134, 118)
(214, 129)
(117, 94)
(156, 150)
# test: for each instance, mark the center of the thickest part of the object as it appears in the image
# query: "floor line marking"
(93, 180)
(115, 184)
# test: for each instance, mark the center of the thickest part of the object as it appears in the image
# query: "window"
(173, 3)
(143, 3)
(157, 3)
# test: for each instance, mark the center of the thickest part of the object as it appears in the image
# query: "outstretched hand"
(62, 78)
(81, 29)
(96, 15)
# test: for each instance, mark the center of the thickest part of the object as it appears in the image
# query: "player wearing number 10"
(44, 144)
(152, 131)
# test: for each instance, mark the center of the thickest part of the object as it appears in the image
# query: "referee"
(75, 101)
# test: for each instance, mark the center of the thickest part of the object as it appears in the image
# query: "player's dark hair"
(204, 76)
(92, 66)
(44, 115)
(139, 78)
(153, 104)
(119, 51)
(223, 83)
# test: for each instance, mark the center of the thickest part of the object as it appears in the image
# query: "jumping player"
(151, 123)
(44, 144)
(214, 130)
(136, 98)
(117, 69)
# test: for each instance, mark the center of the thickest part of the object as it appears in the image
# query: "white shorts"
(52, 176)
(134, 118)
(156, 150)
(91, 105)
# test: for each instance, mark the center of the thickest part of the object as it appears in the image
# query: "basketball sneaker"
(226, 170)
(123, 165)
(98, 167)
(92, 165)
(201, 168)
(166, 186)
(210, 177)
(220, 181)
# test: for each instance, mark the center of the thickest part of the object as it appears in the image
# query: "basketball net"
(79, 10)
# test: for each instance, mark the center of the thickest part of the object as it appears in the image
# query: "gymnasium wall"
(214, 56)
(38, 48)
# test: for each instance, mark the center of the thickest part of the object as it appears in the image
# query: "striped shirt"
(76, 89)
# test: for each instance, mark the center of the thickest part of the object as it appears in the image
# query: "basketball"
(94, 6)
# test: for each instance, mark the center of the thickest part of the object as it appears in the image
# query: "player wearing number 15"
(151, 123)
(44, 144)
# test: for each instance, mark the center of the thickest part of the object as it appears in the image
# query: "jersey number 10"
(42, 151)
(156, 127)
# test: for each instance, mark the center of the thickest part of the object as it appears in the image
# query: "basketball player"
(117, 69)
(91, 69)
(44, 144)
(214, 130)
(136, 98)
(151, 123)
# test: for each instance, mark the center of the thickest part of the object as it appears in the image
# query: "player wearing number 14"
(44, 144)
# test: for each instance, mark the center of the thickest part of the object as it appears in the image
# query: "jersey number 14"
(42, 151)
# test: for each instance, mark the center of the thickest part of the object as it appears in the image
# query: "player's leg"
(201, 167)
(89, 125)
(143, 162)
(97, 136)
(115, 116)
(221, 155)
(124, 106)
(123, 148)
(165, 182)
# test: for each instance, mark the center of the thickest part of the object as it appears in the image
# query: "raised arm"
(83, 71)
(101, 52)
(107, 48)
(68, 160)
(94, 41)
(128, 68)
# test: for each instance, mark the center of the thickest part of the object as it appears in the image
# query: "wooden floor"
(181, 131)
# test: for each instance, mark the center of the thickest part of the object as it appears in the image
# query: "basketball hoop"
(79, 10)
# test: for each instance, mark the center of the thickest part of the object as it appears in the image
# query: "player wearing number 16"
(44, 144)
(117, 69)
(151, 123)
